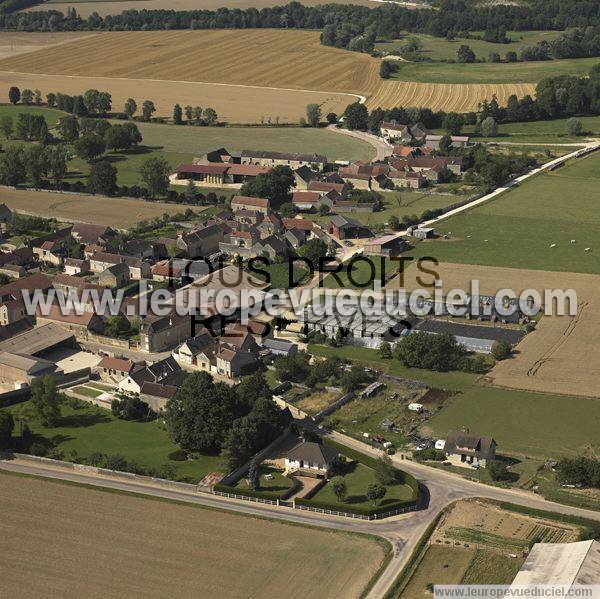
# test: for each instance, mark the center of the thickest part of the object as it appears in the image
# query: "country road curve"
(383, 148)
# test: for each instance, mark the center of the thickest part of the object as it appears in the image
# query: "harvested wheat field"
(81, 208)
(97, 544)
(444, 96)
(15, 43)
(561, 355)
(234, 104)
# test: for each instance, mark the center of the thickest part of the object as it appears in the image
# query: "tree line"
(345, 26)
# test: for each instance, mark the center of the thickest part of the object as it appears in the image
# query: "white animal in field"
(553, 245)
(588, 249)
(573, 241)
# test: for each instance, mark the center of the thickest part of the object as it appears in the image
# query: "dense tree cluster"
(208, 417)
(579, 471)
(431, 352)
(348, 26)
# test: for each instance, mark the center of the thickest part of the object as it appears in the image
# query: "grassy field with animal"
(115, 545)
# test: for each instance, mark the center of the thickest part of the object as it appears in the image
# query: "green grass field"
(487, 72)
(527, 424)
(93, 429)
(439, 48)
(358, 477)
(450, 381)
(517, 228)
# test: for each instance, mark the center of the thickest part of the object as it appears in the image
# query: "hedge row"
(350, 509)
(273, 495)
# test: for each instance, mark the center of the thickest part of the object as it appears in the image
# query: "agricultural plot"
(208, 552)
(524, 423)
(114, 212)
(440, 48)
(492, 73)
(13, 43)
(439, 95)
(256, 88)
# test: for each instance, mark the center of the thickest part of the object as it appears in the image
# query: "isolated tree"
(356, 116)
(189, 112)
(313, 114)
(210, 116)
(445, 145)
(385, 471)
(312, 250)
(12, 166)
(14, 95)
(6, 126)
(453, 123)
(498, 470)
(177, 114)
(56, 157)
(501, 350)
(68, 127)
(117, 138)
(148, 109)
(191, 193)
(27, 97)
(45, 399)
(386, 69)
(154, 172)
(36, 164)
(130, 107)
(465, 54)
(511, 56)
(135, 137)
(489, 127)
(394, 223)
(89, 147)
(117, 325)
(339, 488)
(7, 425)
(102, 178)
(376, 492)
(574, 127)
(385, 350)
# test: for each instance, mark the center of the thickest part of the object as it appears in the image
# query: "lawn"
(109, 544)
(524, 424)
(517, 228)
(450, 381)
(277, 484)
(487, 72)
(488, 567)
(439, 48)
(358, 477)
(93, 429)
(87, 391)
(278, 273)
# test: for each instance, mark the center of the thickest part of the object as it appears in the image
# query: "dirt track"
(561, 355)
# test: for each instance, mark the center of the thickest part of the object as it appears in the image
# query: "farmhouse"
(343, 227)
(115, 369)
(312, 459)
(19, 370)
(89, 233)
(200, 242)
(80, 324)
(249, 203)
(218, 174)
(114, 276)
(294, 161)
(165, 372)
(76, 266)
(160, 333)
(469, 451)
(387, 245)
(458, 141)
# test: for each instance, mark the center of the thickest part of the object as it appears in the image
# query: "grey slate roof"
(314, 453)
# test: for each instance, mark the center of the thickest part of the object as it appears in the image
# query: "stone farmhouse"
(469, 451)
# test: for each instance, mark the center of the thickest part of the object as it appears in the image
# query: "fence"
(311, 508)
(247, 497)
(334, 406)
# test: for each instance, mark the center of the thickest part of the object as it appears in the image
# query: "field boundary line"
(362, 99)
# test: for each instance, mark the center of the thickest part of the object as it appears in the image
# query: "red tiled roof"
(71, 318)
(298, 223)
(204, 169)
(116, 364)
(250, 201)
(305, 197)
(247, 170)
